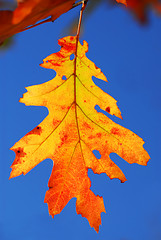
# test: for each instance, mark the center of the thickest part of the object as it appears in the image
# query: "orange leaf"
(28, 13)
(139, 7)
(72, 130)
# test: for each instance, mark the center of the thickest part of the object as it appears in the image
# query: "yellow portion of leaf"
(72, 130)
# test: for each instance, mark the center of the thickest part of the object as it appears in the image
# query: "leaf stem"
(84, 3)
(75, 64)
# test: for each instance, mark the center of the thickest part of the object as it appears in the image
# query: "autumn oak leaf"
(29, 12)
(72, 130)
(140, 7)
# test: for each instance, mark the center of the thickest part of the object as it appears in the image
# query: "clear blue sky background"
(130, 56)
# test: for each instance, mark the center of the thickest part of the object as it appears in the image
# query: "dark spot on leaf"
(36, 131)
(108, 109)
(19, 154)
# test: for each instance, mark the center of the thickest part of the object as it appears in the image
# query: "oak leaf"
(72, 130)
(139, 7)
(29, 12)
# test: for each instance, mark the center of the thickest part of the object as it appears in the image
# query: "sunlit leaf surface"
(72, 130)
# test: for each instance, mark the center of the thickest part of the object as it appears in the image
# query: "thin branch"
(77, 4)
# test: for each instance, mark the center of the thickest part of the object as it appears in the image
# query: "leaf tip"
(10, 177)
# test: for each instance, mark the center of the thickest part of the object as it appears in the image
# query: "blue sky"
(130, 56)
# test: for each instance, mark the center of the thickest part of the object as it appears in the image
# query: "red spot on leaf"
(64, 138)
(111, 164)
(63, 107)
(108, 109)
(115, 131)
(95, 66)
(71, 38)
(55, 122)
(37, 130)
(91, 137)
(86, 125)
(99, 135)
(19, 154)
